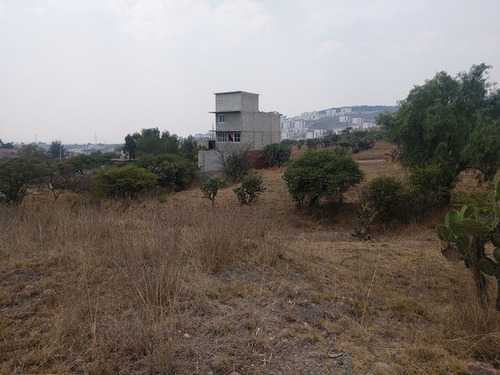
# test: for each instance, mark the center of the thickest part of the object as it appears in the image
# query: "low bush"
(276, 155)
(210, 187)
(125, 183)
(387, 196)
(173, 171)
(250, 189)
(319, 174)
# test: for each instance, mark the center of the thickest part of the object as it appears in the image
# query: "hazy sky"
(74, 69)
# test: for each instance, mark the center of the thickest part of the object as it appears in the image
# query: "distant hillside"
(359, 115)
(316, 124)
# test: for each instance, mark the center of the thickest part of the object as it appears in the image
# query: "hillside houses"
(316, 124)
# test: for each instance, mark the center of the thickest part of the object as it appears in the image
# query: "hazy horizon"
(72, 70)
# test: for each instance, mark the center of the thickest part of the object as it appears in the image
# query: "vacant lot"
(172, 286)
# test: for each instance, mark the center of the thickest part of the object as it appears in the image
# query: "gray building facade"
(239, 123)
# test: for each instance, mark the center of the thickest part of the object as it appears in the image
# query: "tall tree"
(17, 174)
(57, 150)
(448, 125)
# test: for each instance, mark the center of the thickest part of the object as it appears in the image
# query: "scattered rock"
(187, 336)
(335, 354)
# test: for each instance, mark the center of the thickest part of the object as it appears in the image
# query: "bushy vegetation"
(235, 163)
(448, 125)
(210, 187)
(18, 174)
(173, 171)
(276, 155)
(387, 197)
(125, 183)
(321, 174)
(251, 187)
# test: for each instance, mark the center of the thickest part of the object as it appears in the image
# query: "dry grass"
(175, 287)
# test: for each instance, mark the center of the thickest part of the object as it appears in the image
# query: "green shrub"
(250, 189)
(210, 187)
(276, 155)
(235, 163)
(431, 185)
(125, 183)
(19, 173)
(173, 171)
(318, 174)
(387, 196)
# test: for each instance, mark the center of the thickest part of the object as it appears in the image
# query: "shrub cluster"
(321, 174)
(276, 155)
(250, 189)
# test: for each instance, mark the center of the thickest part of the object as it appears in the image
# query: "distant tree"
(448, 125)
(172, 170)
(313, 143)
(318, 174)
(130, 146)
(235, 163)
(210, 187)
(33, 151)
(251, 187)
(18, 174)
(276, 154)
(188, 148)
(125, 183)
(57, 150)
(150, 142)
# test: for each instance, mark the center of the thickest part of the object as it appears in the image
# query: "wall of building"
(237, 101)
(209, 162)
(260, 129)
(232, 122)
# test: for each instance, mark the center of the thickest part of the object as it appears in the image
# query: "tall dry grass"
(110, 291)
(176, 287)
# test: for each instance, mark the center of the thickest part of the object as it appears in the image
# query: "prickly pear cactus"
(464, 236)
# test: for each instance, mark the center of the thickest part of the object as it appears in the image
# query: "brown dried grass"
(173, 286)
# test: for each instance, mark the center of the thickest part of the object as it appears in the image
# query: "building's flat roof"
(234, 92)
(225, 112)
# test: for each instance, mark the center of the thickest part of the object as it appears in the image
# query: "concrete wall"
(237, 101)
(232, 122)
(209, 162)
(260, 129)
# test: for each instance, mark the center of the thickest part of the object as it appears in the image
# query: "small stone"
(187, 336)
(335, 354)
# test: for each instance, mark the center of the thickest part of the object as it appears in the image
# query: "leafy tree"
(313, 143)
(150, 142)
(33, 151)
(210, 187)
(172, 170)
(57, 150)
(18, 174)
(320, 174)
(276, 154)
(130, 146)
(386, 195)
(449, 124)
(235, 163)
(188, 148)
(125, 183)
(251, 187)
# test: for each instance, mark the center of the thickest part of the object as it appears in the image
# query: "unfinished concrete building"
(239, 126)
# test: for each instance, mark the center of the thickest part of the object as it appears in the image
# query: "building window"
(229, 137)
(222, 118)
(222, 137)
